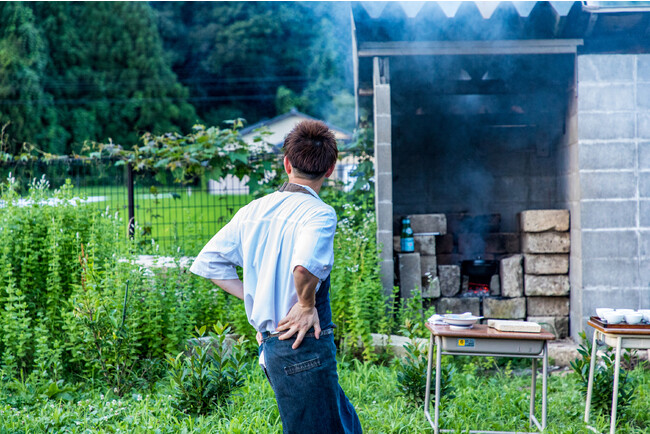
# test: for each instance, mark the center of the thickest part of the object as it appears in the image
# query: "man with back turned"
(284, 244)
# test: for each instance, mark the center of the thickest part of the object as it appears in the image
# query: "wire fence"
(169, 217)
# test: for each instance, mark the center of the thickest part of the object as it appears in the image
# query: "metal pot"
(479, 267)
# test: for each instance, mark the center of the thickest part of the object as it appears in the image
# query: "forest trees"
(76, 71)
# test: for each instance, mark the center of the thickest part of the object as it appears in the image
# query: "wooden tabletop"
(613, 330)
(485, 332)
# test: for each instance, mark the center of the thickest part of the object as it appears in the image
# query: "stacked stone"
(418, 270)
(545, 243)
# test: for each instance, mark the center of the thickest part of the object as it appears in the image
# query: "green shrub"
(205, 375)
(603, 385)
(411, 370)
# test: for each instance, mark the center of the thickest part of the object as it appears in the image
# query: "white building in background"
(279, 127)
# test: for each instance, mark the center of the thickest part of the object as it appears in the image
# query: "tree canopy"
(77, 71)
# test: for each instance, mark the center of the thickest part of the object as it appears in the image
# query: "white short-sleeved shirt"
(268, 238)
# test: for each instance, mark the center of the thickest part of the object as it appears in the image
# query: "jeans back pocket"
(302, 366)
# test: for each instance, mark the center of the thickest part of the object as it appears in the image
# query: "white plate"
(460, 320)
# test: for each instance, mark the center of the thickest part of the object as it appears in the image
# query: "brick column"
(383, 170)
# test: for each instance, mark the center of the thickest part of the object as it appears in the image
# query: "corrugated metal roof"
(449, 8)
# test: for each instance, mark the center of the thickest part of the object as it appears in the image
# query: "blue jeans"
(306, 385)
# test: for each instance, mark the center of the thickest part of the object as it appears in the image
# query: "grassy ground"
(185, 217)
(486, 401)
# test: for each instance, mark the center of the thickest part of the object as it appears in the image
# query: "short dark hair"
(311, 149)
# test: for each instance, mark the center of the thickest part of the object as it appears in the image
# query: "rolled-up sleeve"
(220, 256)
(314, 247)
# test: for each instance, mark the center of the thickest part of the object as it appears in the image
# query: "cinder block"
(495, 285)
(428, 265)
(602, 214)
(445, 244)
(614, 97)
(430, 287)
(449, 279)
(642, 96)
(506, 308)
(546, 242)
(449, 259)
(607, 155)
(606, 68)
(608, 185)
(512, 242)
(644, 185)
(425, 244)
(463, 223)
(606, 126)
(548, 306)
(410, 275)
(644, 125)
(546, 285)
(546, 264)
(424, 223)
(558, 325)
(610, 244)
(458, 305)
(544, 220)
(512, 276)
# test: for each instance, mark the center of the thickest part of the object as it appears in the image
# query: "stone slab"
(544, 220)
(428, 265)
(495, 285)
(449, 259)
(504, 308)
(546, 242)
(430, 287)
(410, 275)
(449, 279)
(458, 305)
(558, 325)
(512, 276)
(424, 223)
(546, 264)
(549, 285)
(445, 244)
(425, 244)
(548, 306)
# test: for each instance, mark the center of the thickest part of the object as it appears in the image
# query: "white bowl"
(614, 317)
(646, 314)
(463, 320)
(633, 318)
(625, 311)
(602, 310)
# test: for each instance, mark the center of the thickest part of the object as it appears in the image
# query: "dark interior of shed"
(479, 135)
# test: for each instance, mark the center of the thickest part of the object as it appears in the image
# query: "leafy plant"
(208, 373)
(411, 370)
(603, 383)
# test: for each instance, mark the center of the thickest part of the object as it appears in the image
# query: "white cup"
(633, 317)
(614, 317)
(601, 311)
(646, 314)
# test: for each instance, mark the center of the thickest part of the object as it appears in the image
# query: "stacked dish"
(461, 321)
(618, 316)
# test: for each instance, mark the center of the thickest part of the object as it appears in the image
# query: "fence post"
(131, 199)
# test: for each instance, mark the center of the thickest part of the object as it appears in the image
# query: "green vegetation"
(488, 400)
(78, 71)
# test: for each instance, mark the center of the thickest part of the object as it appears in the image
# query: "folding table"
(488, 342)
(618, 337)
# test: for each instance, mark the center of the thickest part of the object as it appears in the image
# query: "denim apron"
(304, 380)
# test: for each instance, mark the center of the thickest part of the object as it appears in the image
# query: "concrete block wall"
(614, 188)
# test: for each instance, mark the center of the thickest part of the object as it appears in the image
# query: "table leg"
(590, 382)
(533, 391)
(438, 374)
(427, 394)
(544, 384)
(617, 368)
